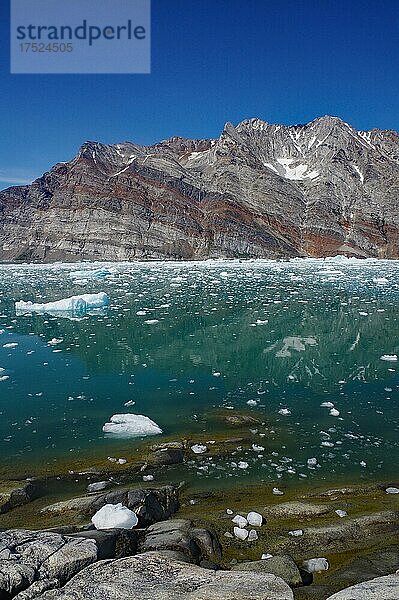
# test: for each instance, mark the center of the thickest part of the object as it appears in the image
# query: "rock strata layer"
(259, 190)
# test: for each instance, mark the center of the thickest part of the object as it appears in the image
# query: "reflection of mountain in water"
(249, 333)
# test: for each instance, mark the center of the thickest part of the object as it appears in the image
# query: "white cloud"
(14, 177)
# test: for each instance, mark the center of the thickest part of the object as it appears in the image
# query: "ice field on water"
(311, 345)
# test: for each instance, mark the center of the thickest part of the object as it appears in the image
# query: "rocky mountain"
(259, 190)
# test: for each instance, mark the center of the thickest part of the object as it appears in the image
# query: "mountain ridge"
(259, 190)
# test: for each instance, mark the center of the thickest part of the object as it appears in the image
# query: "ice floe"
(130, 425)
(74, 304)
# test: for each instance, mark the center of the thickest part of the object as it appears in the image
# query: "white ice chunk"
(114, 516)
(240, 521)
(341, 513)
(97, 486)
(252, 536)
(241, 534)
(75, 304)
(243, 465)
(392, 490)
(257, 448)
(255, 519)
(389, 357)
(277, 492)
(266, 556)
(129, 425)
(334, 412)
(199, 448)
(315, 565)
(55, 341)
(296, 532)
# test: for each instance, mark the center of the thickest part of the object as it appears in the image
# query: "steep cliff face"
(259, 190)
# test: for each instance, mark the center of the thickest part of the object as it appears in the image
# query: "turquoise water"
(283, 336)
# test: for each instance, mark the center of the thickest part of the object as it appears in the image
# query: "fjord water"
(181, 340)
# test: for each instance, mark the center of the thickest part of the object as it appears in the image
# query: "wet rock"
(29, 556)
(98, 486)
(167, 445)
(166, 456)
(15, 493)
(381, 588)
(365, 567)
(296, 509)
(337, 493)
(79, 505)
(179, 535)
(281, 566)
(347, 534)
(208, 564)
(111, 543)
(150, 505)
(239, 420)
(153, 576)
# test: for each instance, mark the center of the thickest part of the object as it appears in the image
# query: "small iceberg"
(315, 565)
(114, 516)
(75, 304)
(389, 357)
(129, 425)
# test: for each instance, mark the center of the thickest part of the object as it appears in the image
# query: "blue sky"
(212, 61)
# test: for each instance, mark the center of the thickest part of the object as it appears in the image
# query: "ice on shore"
(241, 534)
(75, 304)
(97, 486)
(392, 490)
(296, 532)
(130, 425)
(240, 521)
(253, 536)
(315, 565)
(199, 449)
(255, 519)
(114, 516)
